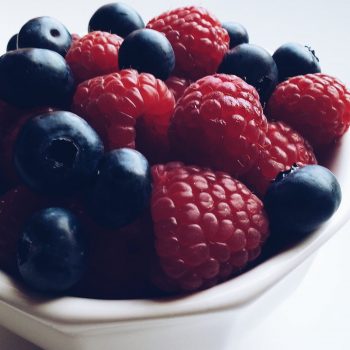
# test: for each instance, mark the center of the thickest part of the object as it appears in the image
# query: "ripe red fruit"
(128, 109)
(219, 123)
(283, 147)
(177, 86)
(75, 37)
(197, 37)
(94, 54)
(119, 261)
(316, 105)
(208, 226)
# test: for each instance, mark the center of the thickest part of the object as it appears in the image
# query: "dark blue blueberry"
(253, 64)
(52, 251)
(300, 200)
(237, 33)
(57, 153)
(116, 18)
(122, 189)
(12, 44)
(45, 33)
(149, 51)
(294, 59)
(35, 78)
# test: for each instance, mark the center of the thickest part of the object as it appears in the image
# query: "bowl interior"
(233, 293)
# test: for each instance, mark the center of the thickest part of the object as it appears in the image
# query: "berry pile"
(140, 159)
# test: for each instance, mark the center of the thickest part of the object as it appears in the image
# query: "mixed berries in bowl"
(145, 161)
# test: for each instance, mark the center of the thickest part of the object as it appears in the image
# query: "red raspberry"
(93, 55)
(16, 207)
(75, 37)
(283, 148)
(118, 103)
(119, 261)
(219, 123)
(316, 105)
(207, 225)
(177, 86)
(198, 39)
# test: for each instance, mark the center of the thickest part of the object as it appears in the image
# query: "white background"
(317, 315)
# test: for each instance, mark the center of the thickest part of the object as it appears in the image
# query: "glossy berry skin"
(197, 37)
(122, 189)
(301, 199)
(148, 51)
(237, 33)
(12, 44)
(283, 147)
(52, 251)
(219, 123)
(8, 140)
(253, 64)
(128, 109)
(93, 55)
(294, 59)
(35, 78)
(315, 105)
(207, 226)
(45, 33)
(57, 153)
(116, 18)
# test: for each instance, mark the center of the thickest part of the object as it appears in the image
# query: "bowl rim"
(234, 293)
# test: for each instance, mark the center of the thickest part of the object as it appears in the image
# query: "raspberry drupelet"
(207, 225)
(219, 123)
(316, 105)
(93, 55)
(197, 37)
(128, 109)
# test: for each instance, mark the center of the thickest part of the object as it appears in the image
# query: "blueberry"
(117, 18)
(122, 189)
(45, 33)
(52, 251)
(237, 33)
(35, 78)
(57, 153)
(294, 59)
(12, 44)
(147, 50)
(253, 64)
(300, 200)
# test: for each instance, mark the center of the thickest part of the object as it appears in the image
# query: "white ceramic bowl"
(215, 319)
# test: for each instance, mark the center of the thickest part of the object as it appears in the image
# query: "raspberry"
(316, 105)
(198, 39)
(94, 54)
(118, 103)
(283, 148)
(16, 206)
(219, 123)
(75, 37)
(208, 226)
(119, 260)
(177, 86)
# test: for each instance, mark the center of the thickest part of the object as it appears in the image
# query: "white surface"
(316, 316)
